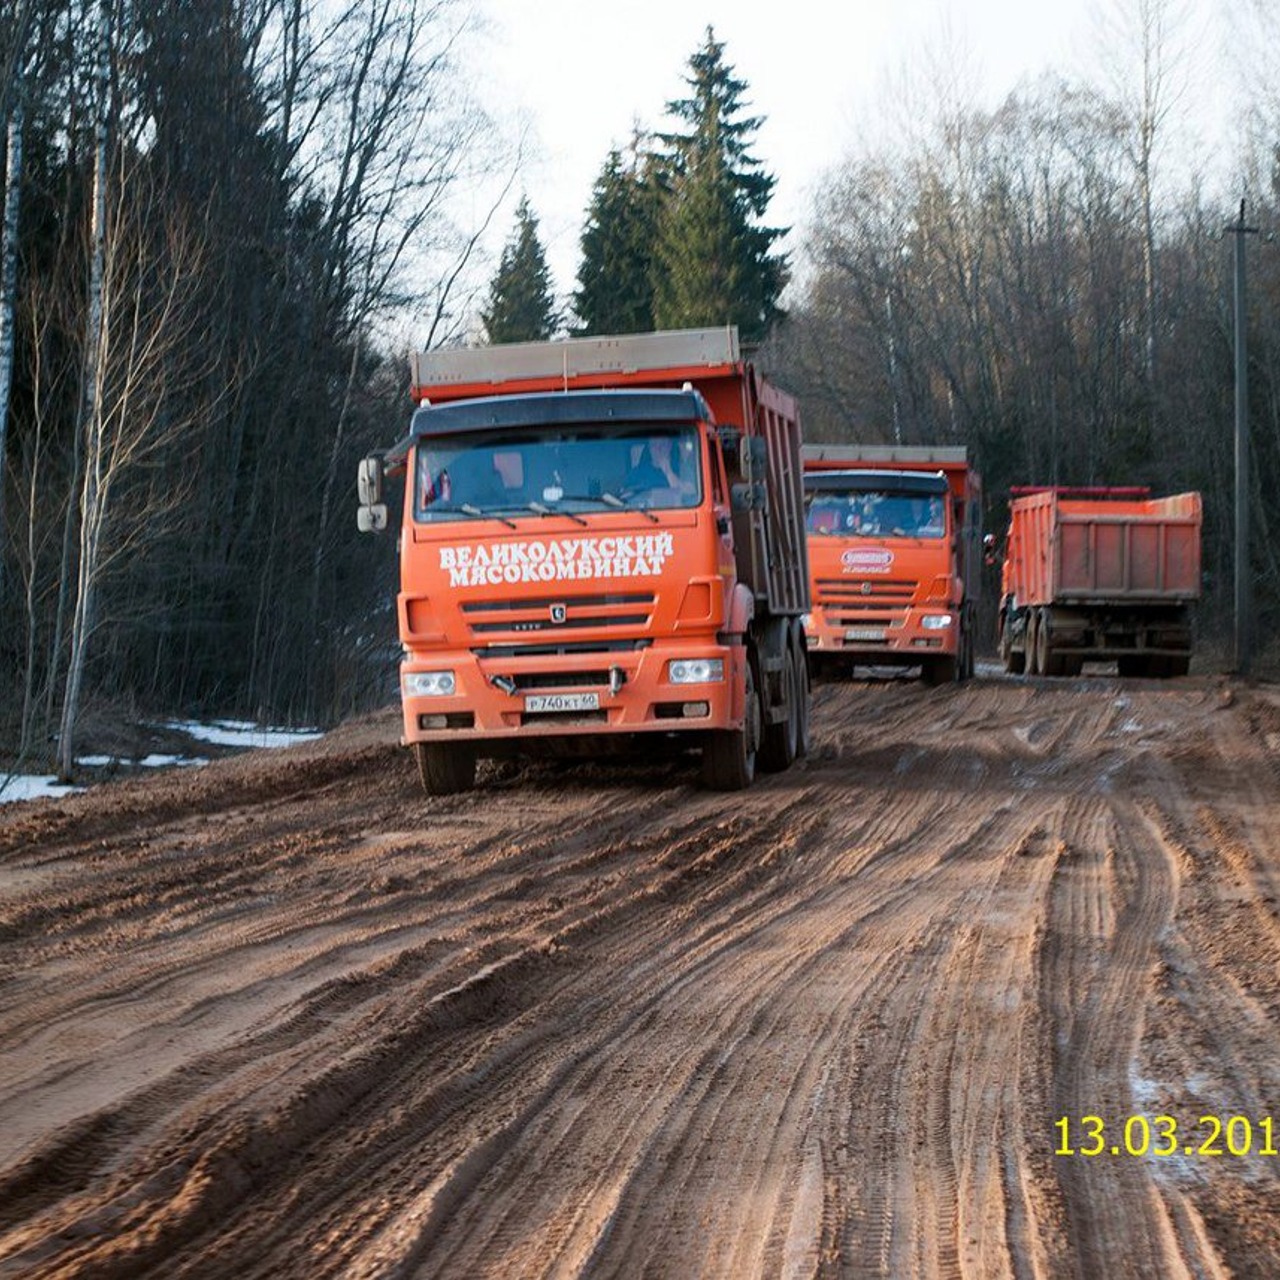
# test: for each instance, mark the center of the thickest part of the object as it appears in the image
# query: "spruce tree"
(521, 307)
(615, 280)
(714, 262)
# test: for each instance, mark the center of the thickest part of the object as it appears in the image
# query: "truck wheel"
(1015, 660)
(801, 649)
(1031, 643)
(1175, 667)
(1135, 664)
(780, 744)
(1046, 663)
(729, 757)
(936, 671)
(445, 770)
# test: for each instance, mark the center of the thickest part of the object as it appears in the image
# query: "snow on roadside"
(21, 786)
(240, 733)
(221, 733)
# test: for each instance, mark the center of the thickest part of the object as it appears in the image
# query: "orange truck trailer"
(602, 545)
(895, 548)
(1099, 574)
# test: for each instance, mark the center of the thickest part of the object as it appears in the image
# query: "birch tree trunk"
(90, 405)
(8, 287)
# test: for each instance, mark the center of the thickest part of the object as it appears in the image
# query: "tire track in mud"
(598, 1022)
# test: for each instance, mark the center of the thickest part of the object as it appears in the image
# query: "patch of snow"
(240, 733)
(19, 786)
(223, 733)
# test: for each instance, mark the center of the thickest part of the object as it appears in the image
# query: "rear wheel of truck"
(1046, 660)
(801, 649)
(729, 757)
(1134, 665)
(1030, 638)
(780, 743)
(445, 769)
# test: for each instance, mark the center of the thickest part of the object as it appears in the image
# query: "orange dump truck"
(602, 544)
(1098, 575)
(894, 557)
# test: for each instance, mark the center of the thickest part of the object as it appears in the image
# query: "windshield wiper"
(612, 500)
(468, 510)
(538, 509)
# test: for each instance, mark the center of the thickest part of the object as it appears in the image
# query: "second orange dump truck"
(895, 548)
(602, 543)
(1099, 574)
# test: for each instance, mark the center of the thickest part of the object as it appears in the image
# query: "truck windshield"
(570, 469)
(876, 514)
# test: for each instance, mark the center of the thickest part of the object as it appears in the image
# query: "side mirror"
(371, 515)
(371, 519)
(753, 457)
(369, 481)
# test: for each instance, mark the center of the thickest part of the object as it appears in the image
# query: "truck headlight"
(695, 670)
(936, 621)
(430, 684)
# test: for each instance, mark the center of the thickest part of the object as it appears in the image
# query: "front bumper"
(900, 637)
(630, 690)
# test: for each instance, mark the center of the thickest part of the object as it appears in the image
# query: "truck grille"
(866, 593)
(556, 623)
(853, 602)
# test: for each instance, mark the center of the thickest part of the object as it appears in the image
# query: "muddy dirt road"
(288, 1017)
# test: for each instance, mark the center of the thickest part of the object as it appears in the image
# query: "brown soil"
(285, 1016)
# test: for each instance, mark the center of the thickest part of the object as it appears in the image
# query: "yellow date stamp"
(1140, 1135)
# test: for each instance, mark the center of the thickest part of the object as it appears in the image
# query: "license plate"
(562, 702)
(864, 633)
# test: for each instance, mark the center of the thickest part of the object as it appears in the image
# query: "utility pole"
(1243, 639)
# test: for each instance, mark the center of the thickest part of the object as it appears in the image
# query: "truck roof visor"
(875, 482)
(556, 408)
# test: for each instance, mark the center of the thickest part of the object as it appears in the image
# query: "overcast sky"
(578, 74)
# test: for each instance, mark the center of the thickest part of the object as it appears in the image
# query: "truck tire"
(801, 648)
(936, 671)
(1175, 667)
(1031, 643)
(1134, 665)
(1015, 660)
(445, 769)
(729, 756)
(780, 742)
(1046, 661)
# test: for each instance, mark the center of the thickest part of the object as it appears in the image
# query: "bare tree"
(139, 407)
(1141, 45)
(14, 102)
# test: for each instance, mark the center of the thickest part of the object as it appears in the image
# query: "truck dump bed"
(1081, 547)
